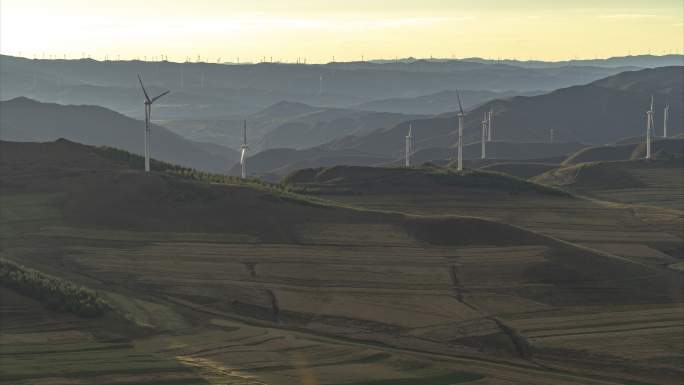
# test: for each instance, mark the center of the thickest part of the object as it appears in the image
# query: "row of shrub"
(58, 294)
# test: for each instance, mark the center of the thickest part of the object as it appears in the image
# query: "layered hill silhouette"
(600, 112)
(286, 125)
(23, 119)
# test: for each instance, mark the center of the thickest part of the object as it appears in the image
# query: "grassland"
(456, 283)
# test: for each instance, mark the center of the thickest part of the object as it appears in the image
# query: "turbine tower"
(409, 146)
(649, 130)
(489, 124)
(461, 115)
(666, 112)
(243, 158)
(485, 125)
(148, 114)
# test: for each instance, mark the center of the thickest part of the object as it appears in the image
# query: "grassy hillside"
(243, 283)
(378, 180)
(520, 170)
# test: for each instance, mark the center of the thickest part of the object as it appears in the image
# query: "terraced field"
(233, 284)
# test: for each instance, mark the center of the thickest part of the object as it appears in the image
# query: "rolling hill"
(659, 182)
(23, 119)
(627, 151)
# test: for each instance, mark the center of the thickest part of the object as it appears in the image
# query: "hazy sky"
(321, 29)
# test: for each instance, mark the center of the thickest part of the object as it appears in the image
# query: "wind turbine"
(461, 115)
(666, 112)
(409, 146)
(485, 124)
(243, 158)
(490, 114)
(148, 113)
(649, 130)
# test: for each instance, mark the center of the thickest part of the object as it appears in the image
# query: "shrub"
(57, 293)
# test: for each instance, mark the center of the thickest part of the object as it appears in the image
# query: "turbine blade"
(143, 88)
(244, 138)
(460, 106)
(159, 96)
(242, 156)
(651, 102)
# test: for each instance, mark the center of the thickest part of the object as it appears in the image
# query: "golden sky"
(320, 29)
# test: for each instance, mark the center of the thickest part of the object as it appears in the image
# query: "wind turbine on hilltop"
(148, 113)
(409, 146)
(243, 158)
(489, 123)
(666, 112)
(484, 135)
(649, 130)
(461, 116)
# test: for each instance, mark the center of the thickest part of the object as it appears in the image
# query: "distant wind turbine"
(649, 130)
(409, 146)
(489, 123)
(461, 116)
(148, 114)
(552, 134)
(666, 114)
(243, 158)
(484, 136)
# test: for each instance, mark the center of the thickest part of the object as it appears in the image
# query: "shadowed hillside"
(379, 180)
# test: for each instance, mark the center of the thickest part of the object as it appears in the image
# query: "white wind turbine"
(409, 146)
(243, 157)
(484, 135)
(461, 116)
(666, 114)
(148, 113)
(649, 130)
(489, 123)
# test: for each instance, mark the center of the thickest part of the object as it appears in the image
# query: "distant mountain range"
(27, 120)
(206, 90)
